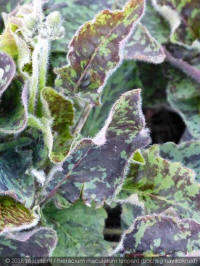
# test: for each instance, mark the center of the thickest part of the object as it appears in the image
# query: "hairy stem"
(45, 47)
(83, 118)
(188, 69)
(34, 80)
(38, 79)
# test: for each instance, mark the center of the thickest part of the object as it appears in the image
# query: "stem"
(43, 63)
(34, 79)
(44, 53)
(83, 118)
(188, 69)
(38, 79)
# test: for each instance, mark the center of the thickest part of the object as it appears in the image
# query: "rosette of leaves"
(55, 181)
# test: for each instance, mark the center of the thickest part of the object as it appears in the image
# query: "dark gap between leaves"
(113, 222)
(164, 125)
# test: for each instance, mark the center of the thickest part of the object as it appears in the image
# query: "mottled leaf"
(43, 126)
(14, 215)
(156, 25)
(121, 81)
(14, 162)
(184, 19)
(184, 96)
(74, 13)
(186, 153)
(37, 146)
(36, 243)
(143, 47)
(7, 71)
(98, 166)
(95, 49)
(161, 235)
(13, 111)
(80, 230)
(61, 112)
(162, 184)
(129, 213)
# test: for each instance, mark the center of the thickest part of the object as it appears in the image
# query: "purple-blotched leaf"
(142, 46)
(14, 111)
(161, 235)
(162, 184)
(37, 243)
(7, 71)
(95, 50)
(186, 153)
(130, 212)
(184, 19)
(98, 166)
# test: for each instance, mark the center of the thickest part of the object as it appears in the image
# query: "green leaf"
(143, 47)
(93, 55)
(160, 235)
(162, 184)
(12, 42)
(39, 242)
(184, 19)
(7, 71)
(138, 158)
(14, 162)
(79, 229)
(14, 216)
(121, 81)
(61, 111)
(13, 112)
(186, 153)
(97, 167)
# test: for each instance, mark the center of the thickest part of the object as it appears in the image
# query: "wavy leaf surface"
(97, 167)
(95, 50)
